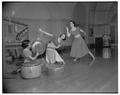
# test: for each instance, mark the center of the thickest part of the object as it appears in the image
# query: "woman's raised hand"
(40, 29)
(67, 28)
(68, 32)
(37, 54)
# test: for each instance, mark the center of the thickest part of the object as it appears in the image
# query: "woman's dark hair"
(75, 24)
(64, 38)
(25, 43)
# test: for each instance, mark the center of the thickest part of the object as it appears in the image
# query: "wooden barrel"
(31, 70)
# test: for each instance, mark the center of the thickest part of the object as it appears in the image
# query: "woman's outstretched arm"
(49, 34)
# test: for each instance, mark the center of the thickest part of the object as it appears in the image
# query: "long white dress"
(52, 55)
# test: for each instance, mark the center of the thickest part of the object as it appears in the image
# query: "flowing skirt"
(79, 48)
(52, 56)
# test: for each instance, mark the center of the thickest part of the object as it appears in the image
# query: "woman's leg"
(17, 70)
(92, 55)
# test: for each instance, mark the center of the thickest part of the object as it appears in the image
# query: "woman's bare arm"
(83, 31)
(58, 46)
(28, 55)
(68, 33)
(49, 34)
(33, 58)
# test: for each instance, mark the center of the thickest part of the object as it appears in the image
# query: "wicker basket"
(31, 70)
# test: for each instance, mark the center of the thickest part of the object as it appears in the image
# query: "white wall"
(100, 16)
(51, 17)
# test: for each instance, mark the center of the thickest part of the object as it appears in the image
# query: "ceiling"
(102, 12)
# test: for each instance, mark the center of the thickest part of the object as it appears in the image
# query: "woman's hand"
(59, 46)
(40, 29)
(68, 33)
(37, 54)
(67, 29)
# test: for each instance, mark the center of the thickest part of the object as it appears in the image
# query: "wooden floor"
(77, 77)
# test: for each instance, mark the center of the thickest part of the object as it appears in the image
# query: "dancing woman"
(52, 55)
(79, 47)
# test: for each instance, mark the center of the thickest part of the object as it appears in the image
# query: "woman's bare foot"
(92, 62)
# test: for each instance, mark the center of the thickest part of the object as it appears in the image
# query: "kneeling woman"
(27, 51)
(28, 55)
(52, 55)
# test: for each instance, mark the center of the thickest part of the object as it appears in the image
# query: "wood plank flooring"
(77, 77)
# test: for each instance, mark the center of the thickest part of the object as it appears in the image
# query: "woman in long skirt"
(79, 47)
(52, 55)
